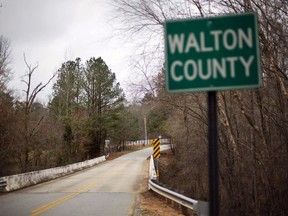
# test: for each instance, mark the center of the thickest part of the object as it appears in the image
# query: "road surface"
(106, 189)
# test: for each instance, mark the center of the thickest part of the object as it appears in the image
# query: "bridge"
(108, 188)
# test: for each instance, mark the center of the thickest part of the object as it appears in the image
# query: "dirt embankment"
(150, 203)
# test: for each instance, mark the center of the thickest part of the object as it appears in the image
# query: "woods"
(252, 123)
(87, 107)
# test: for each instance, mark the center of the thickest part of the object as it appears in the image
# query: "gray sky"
(50, 32)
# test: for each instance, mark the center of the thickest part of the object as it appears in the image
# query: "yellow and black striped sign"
(156, 148)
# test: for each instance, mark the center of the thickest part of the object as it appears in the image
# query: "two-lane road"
(106, 189)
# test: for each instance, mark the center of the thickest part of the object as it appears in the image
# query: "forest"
(89, 106)
(252, 124)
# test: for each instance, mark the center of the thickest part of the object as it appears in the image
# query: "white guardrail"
(146, 142)
(200, 206)
(15, 182)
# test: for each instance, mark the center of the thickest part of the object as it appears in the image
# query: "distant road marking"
(50, 205)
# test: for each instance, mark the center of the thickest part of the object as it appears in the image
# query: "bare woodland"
(88, 106)
(253, 124)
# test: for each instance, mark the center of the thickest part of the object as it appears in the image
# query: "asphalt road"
(108, 188)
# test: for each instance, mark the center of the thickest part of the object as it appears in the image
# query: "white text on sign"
(211, 67)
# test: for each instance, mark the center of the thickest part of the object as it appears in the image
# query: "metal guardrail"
(185, 201)
(200, 206)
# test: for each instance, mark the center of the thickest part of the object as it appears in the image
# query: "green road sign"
(214, 53)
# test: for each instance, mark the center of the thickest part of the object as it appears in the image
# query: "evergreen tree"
(66, 102)
(103, 97)
(67, 89)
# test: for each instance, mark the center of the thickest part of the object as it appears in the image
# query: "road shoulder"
(148, 202)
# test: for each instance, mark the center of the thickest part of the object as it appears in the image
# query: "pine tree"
(103, 97)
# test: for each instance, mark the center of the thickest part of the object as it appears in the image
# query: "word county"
(207, 68)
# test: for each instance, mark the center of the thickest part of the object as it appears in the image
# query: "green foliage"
(88, 95)
(156, 121)
(103, 97)
(67, 89)
(68, 136)
(102, 90)
(7, 134)
(125, 125)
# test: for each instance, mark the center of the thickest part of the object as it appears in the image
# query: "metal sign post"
(157, 169)
(213, 155)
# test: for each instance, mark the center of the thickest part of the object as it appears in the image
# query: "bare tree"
(30, 129)
(142, 22)
(253, 125)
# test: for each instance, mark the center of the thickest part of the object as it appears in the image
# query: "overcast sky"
(50, 32)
